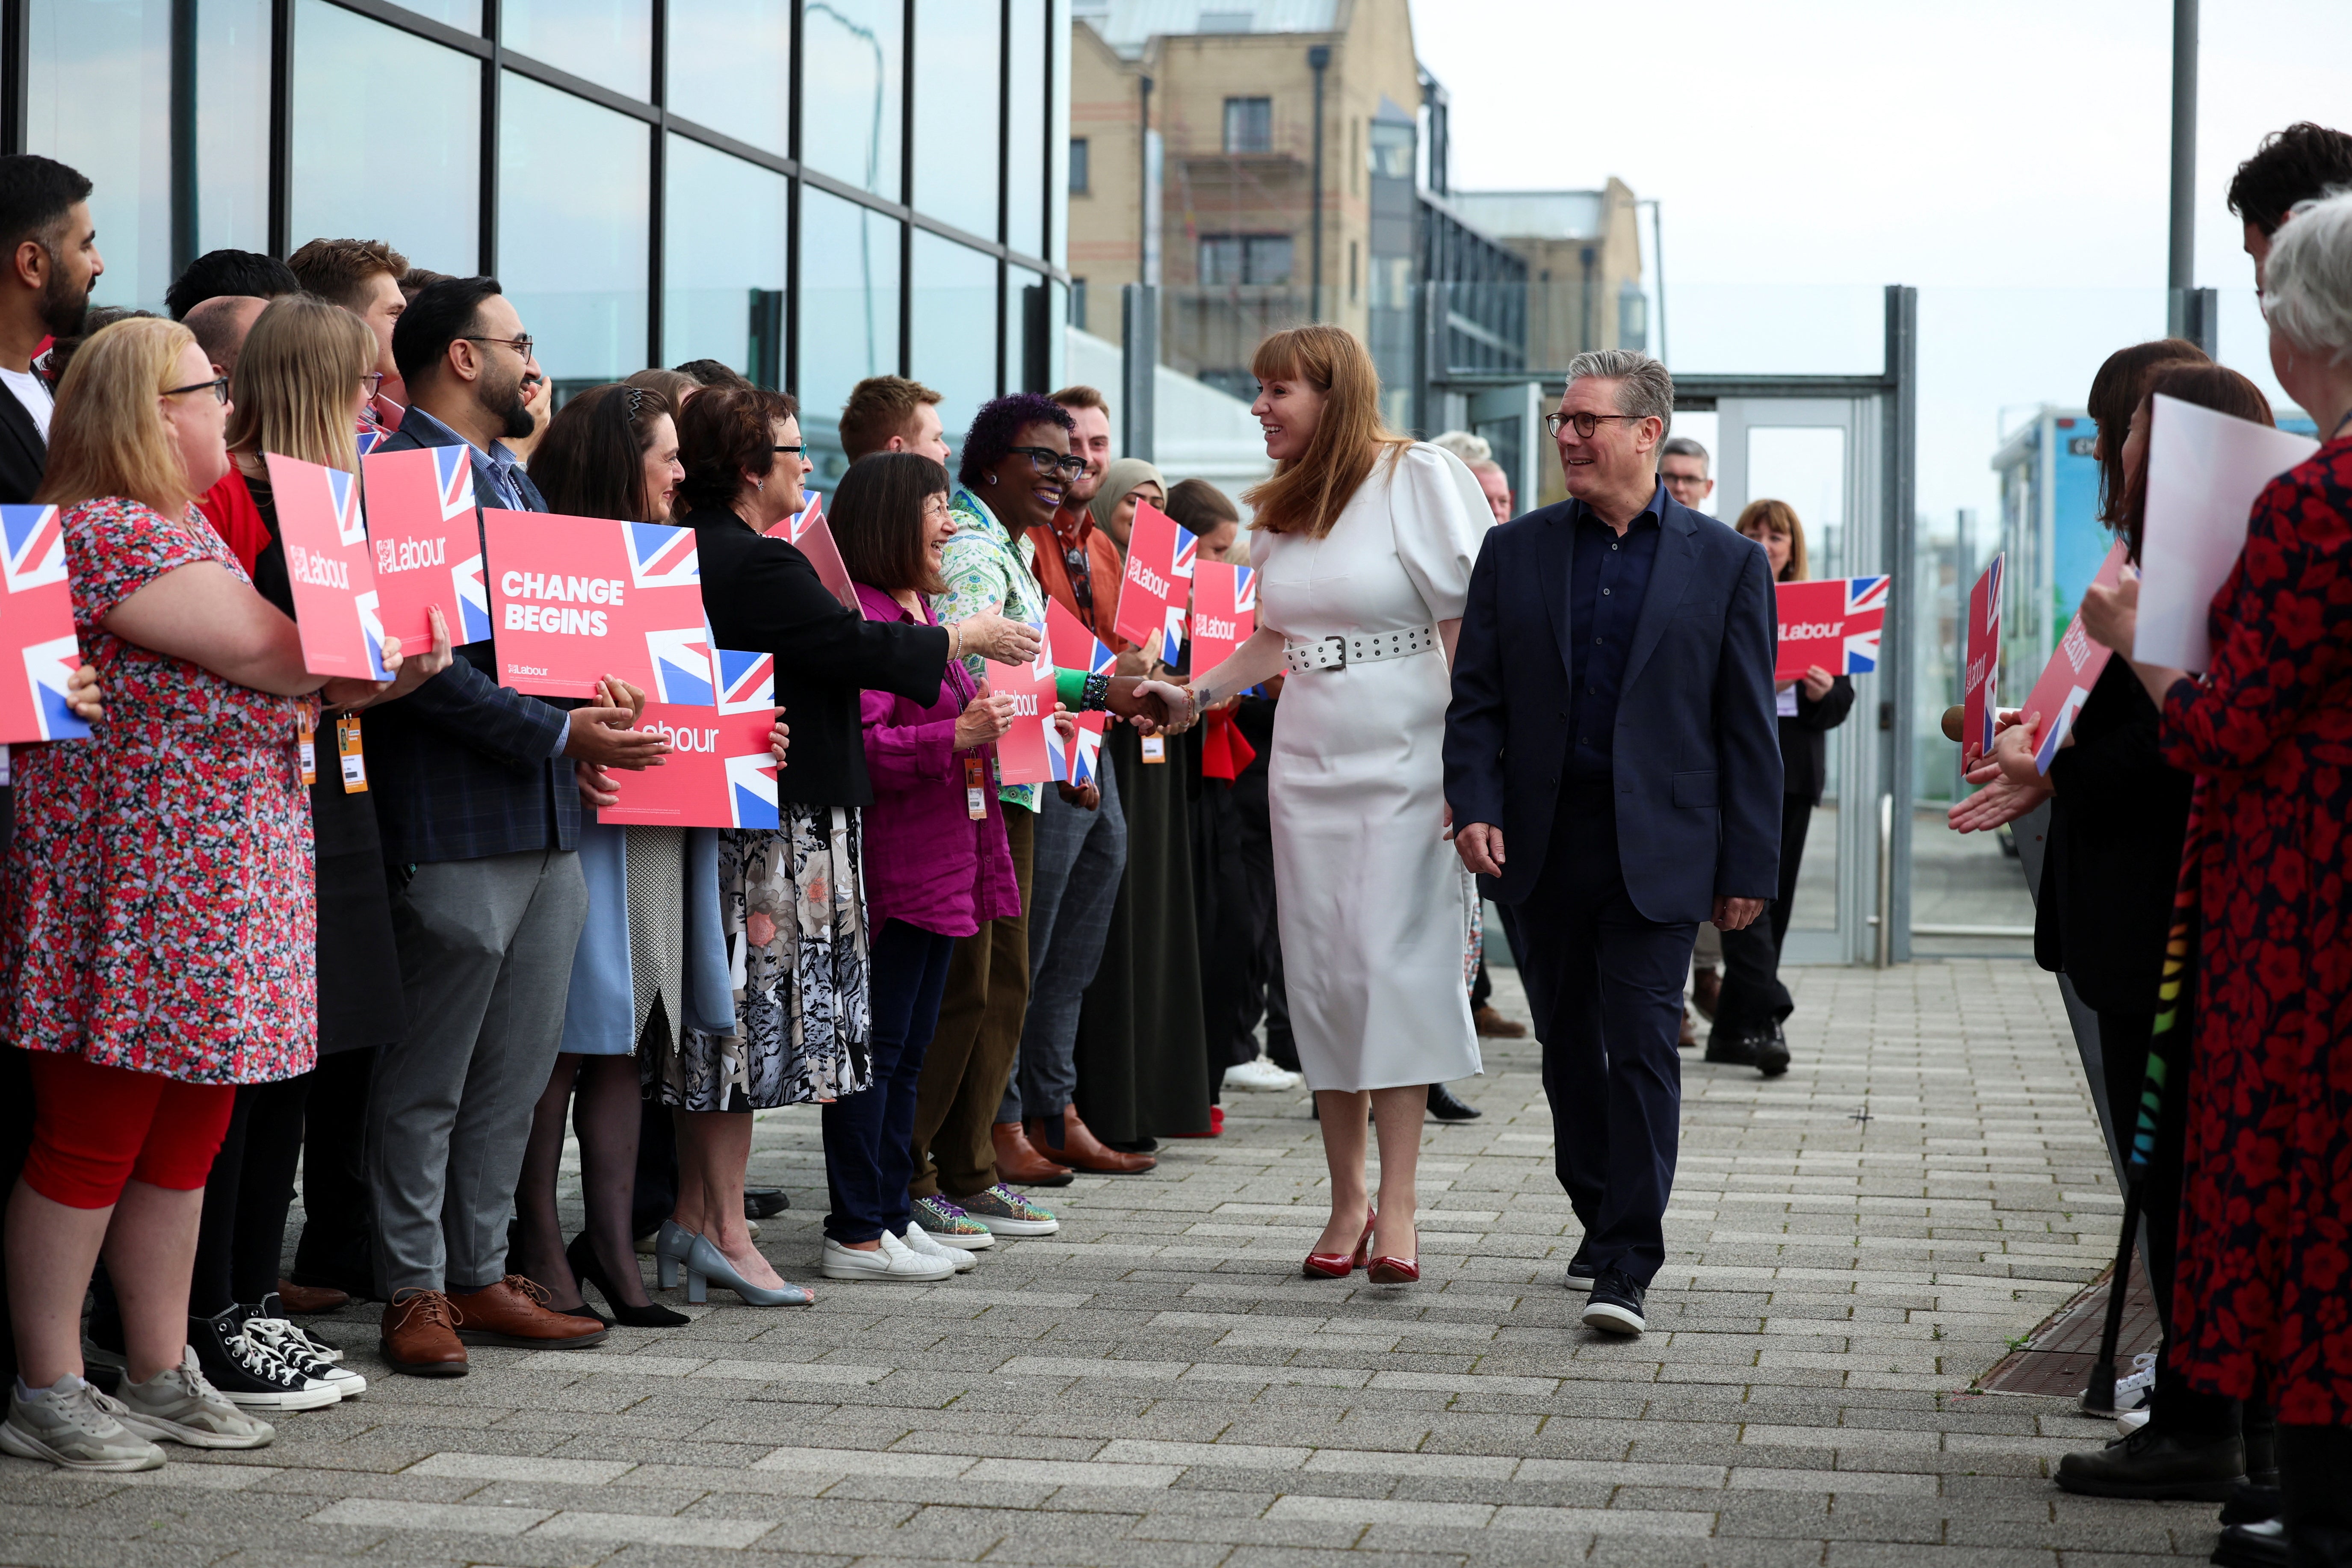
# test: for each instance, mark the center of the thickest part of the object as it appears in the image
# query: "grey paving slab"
(1849, 1248)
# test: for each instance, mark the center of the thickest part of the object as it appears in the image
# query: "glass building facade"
(811, 191)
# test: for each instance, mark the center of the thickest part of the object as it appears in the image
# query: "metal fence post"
(1139, 365)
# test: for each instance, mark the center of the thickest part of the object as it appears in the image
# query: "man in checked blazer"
(479, 805)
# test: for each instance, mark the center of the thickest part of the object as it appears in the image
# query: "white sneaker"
(920, 1241)
(285, 1339)
(179, 1404)
(1261, 1074)
(75, 1427)
(2131, 1421)
(894, 1260)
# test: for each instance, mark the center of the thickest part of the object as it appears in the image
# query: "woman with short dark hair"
(792, 913)
(937, 863)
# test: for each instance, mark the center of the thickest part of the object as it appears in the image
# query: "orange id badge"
(306, 744)
(1155, 748)
(976, 789)
(347, 750)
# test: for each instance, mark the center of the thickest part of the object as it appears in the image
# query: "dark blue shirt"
(1608, 578)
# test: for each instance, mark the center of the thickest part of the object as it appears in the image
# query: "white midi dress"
(1372, 904)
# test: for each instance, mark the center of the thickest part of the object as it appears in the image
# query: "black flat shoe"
(1446, 1106)
(1771, 1050)
(582, 1256)
(1734, 1048)
(759, 1202)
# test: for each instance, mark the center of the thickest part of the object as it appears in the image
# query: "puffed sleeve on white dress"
(1440, 518)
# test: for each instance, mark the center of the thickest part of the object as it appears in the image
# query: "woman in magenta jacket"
(934, 871)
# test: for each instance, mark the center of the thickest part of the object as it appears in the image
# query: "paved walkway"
(1158, 1386)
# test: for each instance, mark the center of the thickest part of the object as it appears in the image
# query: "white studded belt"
(1337, 651)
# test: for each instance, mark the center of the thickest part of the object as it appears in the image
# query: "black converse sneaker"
(267, 1326)
(247, 1371)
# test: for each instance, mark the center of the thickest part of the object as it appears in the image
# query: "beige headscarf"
(1118, 482)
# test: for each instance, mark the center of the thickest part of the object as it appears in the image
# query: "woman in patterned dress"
(2264, 1291)
(159, 920)
(791, 907)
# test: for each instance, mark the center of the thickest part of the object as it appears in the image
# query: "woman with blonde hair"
(1753, 1003)
(159, 917)
(1364, 540)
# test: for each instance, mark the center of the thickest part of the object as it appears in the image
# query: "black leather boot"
(2155, 1464)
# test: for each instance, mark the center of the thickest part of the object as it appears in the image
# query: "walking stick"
(2099, 1398)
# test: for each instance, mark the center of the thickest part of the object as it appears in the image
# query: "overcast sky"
(2011, 159)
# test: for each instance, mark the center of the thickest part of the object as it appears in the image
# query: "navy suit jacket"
(1695, 754)
(462, 767)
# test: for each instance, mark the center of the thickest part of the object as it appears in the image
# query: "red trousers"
(96, 1127)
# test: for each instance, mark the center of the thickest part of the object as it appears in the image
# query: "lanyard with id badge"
(350, 760)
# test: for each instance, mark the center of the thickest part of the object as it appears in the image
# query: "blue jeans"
(867, 1161)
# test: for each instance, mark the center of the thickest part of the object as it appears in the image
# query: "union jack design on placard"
(1865, 610)
(453, 470)
(35, 554)
(343, 496)
(747, 682)
(1989, 632)
(1074, 761)
(681, 661)
(661, 556)
(812, 512)
(1072, 645)
(1245, 588)
(1180, 613)
(473, 602)
(48, 667)
(370, 437)
(751, 792)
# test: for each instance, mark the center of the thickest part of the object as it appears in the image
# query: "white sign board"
(2204, 470)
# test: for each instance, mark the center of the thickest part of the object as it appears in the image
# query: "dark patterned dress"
(2265, 1285)
(159, 913)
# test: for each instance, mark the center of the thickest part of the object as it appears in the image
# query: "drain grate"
(2057, 1357)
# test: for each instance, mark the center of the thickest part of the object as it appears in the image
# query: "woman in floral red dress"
(2264, 1291)
(158, 938)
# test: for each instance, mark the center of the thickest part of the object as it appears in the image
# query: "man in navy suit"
(1613, 768)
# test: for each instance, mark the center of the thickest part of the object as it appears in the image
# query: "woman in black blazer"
(2118, 819)
(792, 907)
(1754, 1002)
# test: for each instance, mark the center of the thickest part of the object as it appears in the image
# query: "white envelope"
(2204, 470)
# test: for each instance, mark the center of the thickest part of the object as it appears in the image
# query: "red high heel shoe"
(1340, 1265)
(1396, 1271)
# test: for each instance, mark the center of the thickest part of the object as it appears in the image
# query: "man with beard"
(52, 261)
(479, 808)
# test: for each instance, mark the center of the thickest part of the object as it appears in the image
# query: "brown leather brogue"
(420, 1337)
(309, 1301)
(1018, 1162)
(1072, 1142)
(514, 1312)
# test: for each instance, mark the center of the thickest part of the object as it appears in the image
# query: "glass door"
(1821, 454)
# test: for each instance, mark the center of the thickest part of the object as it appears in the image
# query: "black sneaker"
(1616, 1304)
(1771, 1048)
(247, 1373)
(1581, 1271)
(2259, 1545)
(1446, 1106)
(2155, 1464)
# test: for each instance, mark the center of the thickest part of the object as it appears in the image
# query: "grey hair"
(1470, 448)
(1684, 446)
(2307, 279)
(1643, 387)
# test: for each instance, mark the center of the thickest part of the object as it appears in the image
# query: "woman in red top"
(2265, 1290)
(934, 870)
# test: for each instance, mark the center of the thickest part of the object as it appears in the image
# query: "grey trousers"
(1081, 856)
(486, 953)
